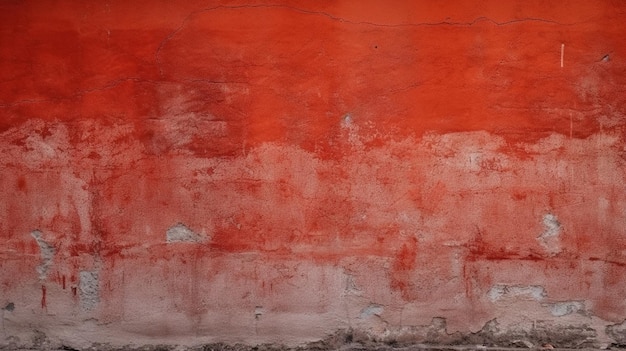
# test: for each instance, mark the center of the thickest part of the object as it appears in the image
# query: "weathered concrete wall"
(186, 172)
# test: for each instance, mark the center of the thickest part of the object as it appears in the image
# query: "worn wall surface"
(187, 172)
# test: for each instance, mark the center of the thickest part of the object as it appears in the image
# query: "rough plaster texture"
(184, 173)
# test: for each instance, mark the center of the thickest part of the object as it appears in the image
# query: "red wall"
(238, 171)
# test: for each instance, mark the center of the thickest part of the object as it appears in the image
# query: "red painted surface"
(414, 152)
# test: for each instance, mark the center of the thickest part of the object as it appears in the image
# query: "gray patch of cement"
(436, 337)
(258, 311)
(9, 307)
(549, 238)
(433, 337)
(351, 287)
(564, 308)
(372, 310)
(47, 254)
(552, 225)
(501, 291)
(89, 290)
(182, 233)
(617, 332)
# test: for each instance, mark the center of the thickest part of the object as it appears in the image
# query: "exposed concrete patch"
(351, 287)
(372, 310)
(564, 308)
(501, 291)
(47, 254)
(549, 239)
(553, 227)
(435, 337)
(181, 233)
(40, 341)
(89, 290)
(541, 333)
(618, 333)
(258, 311)
(9, 307)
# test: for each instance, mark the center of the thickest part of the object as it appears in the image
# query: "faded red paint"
(426, 151)
(404, 263)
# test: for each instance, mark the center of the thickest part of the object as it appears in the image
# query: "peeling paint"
(181, 233)
(351, 287)
(549, 239)
(500, 292)
(403, 174)
(564, 308)
(372, 310)
(89, 290)
(47, 254)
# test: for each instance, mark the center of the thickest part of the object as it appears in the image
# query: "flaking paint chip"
(182, 233)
